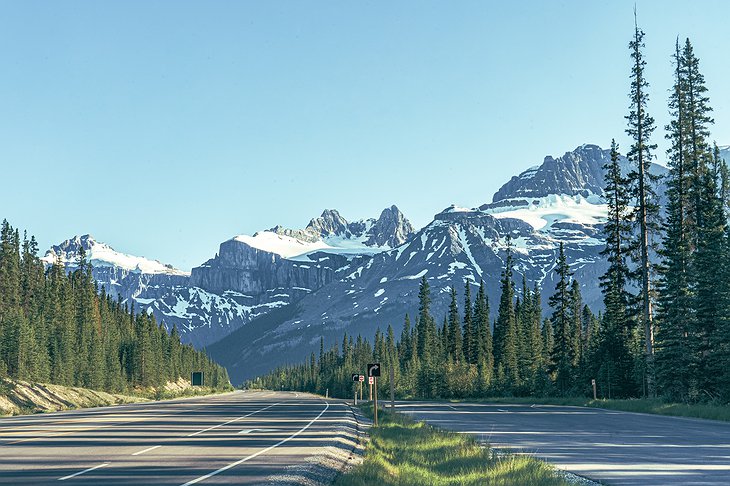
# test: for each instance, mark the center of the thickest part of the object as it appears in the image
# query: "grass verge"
(638, 405)
(403, 452)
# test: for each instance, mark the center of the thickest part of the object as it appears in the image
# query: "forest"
(664, 330)
(59, 327)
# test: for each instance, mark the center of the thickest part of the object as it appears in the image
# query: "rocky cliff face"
(242, 268)
(576, 172)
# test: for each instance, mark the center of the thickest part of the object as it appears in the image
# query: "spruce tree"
(505, 329)
(640, 128)
(676, 309)
(470, 331)
(613, 350)
(454, 346)
(562, 350)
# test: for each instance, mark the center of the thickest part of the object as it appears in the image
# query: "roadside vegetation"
(23, 398)
(57, 326)
(404, 452)
(655, 406)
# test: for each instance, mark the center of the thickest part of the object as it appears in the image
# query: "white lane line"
(146, 450)
(82, 472)
(241, 461)
(231, 421)
(249, 431)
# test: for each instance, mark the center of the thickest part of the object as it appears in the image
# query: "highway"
(236, 438)
(616, 448)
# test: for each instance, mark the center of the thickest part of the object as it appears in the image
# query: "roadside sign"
(196, 378)
(374, 369)
(371, 380)
(355, 377)
(361, 378)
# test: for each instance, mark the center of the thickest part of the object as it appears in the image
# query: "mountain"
(247, 278)
(123, 276)
(558, 201)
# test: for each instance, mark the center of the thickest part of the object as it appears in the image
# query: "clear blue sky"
(165, 128)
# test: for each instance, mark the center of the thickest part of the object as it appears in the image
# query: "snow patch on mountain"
(102, 255)
(285, 246)
(542, 213)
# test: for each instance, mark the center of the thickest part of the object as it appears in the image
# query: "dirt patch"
(20, 397)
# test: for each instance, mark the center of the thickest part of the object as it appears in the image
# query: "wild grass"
(403, 452)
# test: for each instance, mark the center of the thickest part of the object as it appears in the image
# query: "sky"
(164, 128)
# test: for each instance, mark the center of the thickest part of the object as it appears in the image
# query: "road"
(618, 448)
(240, 437)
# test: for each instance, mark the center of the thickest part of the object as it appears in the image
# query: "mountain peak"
(329, 224)
(102, 255)
(579, 172)
(391, 229)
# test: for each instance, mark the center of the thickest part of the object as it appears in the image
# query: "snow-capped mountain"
(559, 201)
(102, 255)
(123, 276)
(250, 275)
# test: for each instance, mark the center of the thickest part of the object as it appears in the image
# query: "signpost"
(373, 374)
(196, 378)
(357, 379)
(362, 380)
(593, 382)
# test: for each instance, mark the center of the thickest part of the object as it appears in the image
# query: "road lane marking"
(82, 472)
(241, 461)
(146, 450)
(231, 421)
(248, 431)
(52, 434)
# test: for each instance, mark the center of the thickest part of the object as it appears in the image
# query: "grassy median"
(404, 452)
(639, 405)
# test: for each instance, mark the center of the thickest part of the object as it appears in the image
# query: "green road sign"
(196, 378)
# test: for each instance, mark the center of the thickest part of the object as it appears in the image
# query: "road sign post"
(375, 402)
(373, 374)
(593, 382)
(356, 381)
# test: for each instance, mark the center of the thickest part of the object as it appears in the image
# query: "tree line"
(59, 327)
(665, 327)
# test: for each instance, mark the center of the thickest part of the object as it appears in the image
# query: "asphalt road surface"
(236, 438)
(609, 446)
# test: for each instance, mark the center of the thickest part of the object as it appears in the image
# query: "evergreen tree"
(470, 341)
(505, 329)
(640, 128)
(562, 350)
(454, 346)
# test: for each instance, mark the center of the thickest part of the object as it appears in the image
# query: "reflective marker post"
(375, 402)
